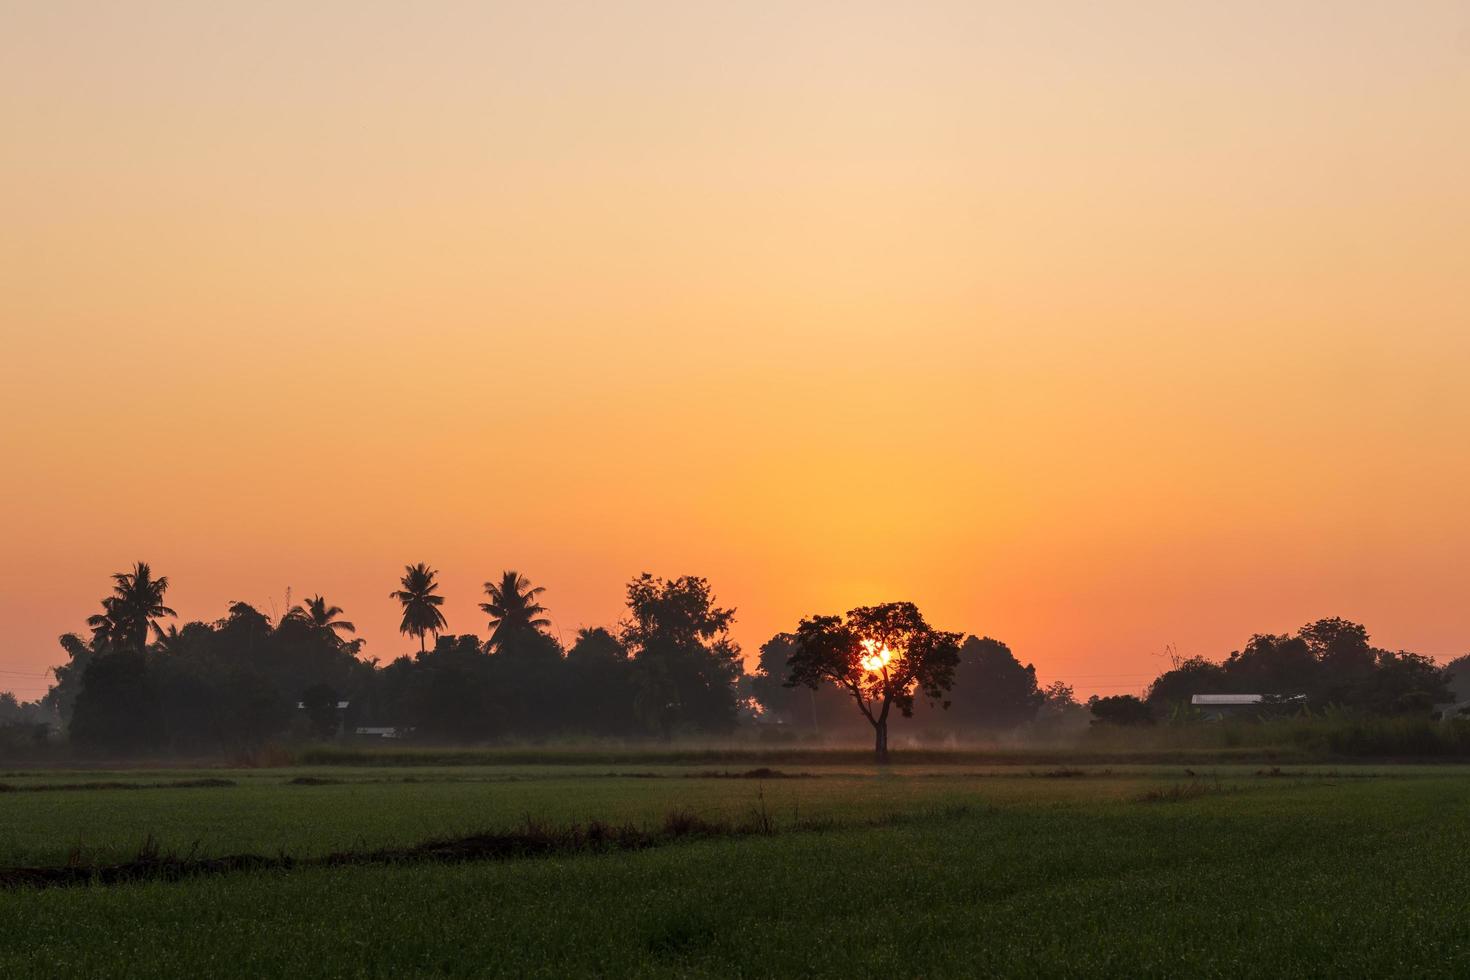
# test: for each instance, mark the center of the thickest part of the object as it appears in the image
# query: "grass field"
(920, 870)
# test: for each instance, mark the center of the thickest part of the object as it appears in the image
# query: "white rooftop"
(1227, 699)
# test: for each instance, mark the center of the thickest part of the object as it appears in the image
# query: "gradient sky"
(1094, 327)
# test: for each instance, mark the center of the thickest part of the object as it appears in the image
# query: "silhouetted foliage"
(527, 676)
(320, 703)
(1060, 713)
(1058, 698)
(515, 614)
(686, 667)
(1457, 675)
(882, 656)
(1328, 662)
(1188, 678)
(118, 706)
(452, 694)
(672, 668)
(993, 691)
(324, 621)
(14, 711)
(420, 601)
(133, 609)
(23, 724)
(599, 691)
(63, 694)
(202, 685)
(1120, 709)
(824, 710)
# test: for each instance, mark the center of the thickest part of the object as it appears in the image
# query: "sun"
(878, 656)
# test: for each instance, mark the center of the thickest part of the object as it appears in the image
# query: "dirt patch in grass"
(531, 840)
(761, 773)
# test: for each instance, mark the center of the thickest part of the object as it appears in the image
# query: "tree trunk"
(880, 729)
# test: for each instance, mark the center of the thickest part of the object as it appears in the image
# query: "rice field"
(825, 870)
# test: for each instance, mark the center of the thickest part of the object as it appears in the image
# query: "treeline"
(1330, 663)
(669, 668)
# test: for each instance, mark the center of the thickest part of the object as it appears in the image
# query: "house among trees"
(1218, 707)
(382, 731)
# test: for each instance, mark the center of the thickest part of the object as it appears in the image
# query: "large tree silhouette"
(993, 690)
(421, 614)
(513, 610)
(131, 611)
(685, 665)
(882, 656)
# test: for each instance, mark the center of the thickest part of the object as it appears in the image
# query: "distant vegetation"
(670, 669)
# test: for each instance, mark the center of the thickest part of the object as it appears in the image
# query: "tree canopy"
(882, 656)
(515, 614)
(686, 667)
(1326, 662)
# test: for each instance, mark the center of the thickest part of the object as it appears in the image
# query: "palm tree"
(421, 613)
(107, 631)
(171, 641)
(132, 610)
(322, 619)
(513, 609)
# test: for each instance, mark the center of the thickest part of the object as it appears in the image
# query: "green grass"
(1141, 871)
(266, 812)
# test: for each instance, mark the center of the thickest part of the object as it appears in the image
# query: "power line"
(1113, 675)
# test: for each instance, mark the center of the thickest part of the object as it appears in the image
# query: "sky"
(1098, 328)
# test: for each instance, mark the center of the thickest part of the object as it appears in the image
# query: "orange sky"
(1093, 327)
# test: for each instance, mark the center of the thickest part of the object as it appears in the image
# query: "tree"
(686, 667)
(993, 691)
(1058, 698)
(1327, 662)
(1338, 642)
(453, 693)
(1271, 664)
(23, 724)
(1187, 678)
(118, 706)
(768, 686)
(823, 711)
(63, 694)
(201, 685)
(1346, 660)
(1120, 709)
(421, 614)
(599, 688)
(514, 613)
(882, 656)
(323, 621)
(320, 703)
(1457, 677)
(131, 611)
(597, 645)
(1059, 714)
(1405, 683)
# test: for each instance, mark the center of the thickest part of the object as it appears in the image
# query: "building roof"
(1227, 699)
